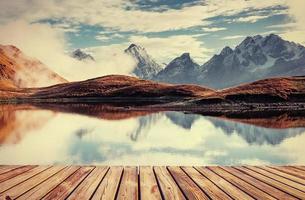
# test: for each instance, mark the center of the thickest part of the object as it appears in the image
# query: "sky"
(49, 29)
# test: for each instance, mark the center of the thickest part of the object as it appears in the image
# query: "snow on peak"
(146, 67)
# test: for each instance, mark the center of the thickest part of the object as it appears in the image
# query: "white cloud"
(112, 13)
(250, 19)
(213, 29)
(49, 45)
(233, 37)
(165, 49)
(296, 11)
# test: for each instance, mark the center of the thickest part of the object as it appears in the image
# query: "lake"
(49, 135)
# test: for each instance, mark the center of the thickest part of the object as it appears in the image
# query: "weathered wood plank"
(223, 184)
(45, 187)
(189, 188)
(290, 190)
(259, 184)
(241, 184)
(290, 170)
(301, 168)
(6, 168)
(63, 190)
(86, 189)
(108, 187)
(285, 175)
(169, 188)
(148, 184)
(23, 187)
(205, 184)
(5, 185)
(278, 178)
(129, 185)
(15, 172)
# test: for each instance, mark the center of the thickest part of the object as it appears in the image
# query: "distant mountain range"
(254, 58)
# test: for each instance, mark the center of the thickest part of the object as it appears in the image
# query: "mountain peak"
(146, 67)
(186, 56)
(134, 46)
(226, 51)
(81, 55)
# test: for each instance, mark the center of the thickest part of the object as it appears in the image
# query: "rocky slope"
(19, 70)
(181, 70)
(146, 67)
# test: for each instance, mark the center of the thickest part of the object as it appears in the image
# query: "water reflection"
(119, 136)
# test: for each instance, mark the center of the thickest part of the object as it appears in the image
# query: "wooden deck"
(103, 182)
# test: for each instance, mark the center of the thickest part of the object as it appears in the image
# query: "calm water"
(37, 136)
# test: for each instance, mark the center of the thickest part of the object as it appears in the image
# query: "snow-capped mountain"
(255, 58)
(81, 55)
(181, 70)
(146, 66)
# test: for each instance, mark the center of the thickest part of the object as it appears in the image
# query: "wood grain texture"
(108, 187)
(14, 172)
(189, 188)
(45, 187)
(278, 178)
(148, 184)
(286, 188)
(174, 182)
(169, 188)
(223, 184)
(86, 189)
(259, 184)
(206, 185)
(63, 190)
(5, 185)
(284, 175)
(6, 168)
(129, 185)
(241, 184)
(290, 170)
(23, 187)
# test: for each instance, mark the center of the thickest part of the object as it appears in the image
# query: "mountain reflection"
(88, 134)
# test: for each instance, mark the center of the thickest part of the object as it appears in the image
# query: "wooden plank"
(129, 185)
(223, 184)
(15, 172)
(285, 175)
(278, 178)
(290, 170)
(148, 184)
(241, 184)
(290, 190)
(5, 185)
(45, 187)
(299, 168)
(188, 187)
(86, 189)
(259, 184)
(63, 190)
(168, 187)
(205, 184)
(6, 168)
(108, 187)
(23, 187)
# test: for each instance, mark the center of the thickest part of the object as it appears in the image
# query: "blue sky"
(165, 28)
